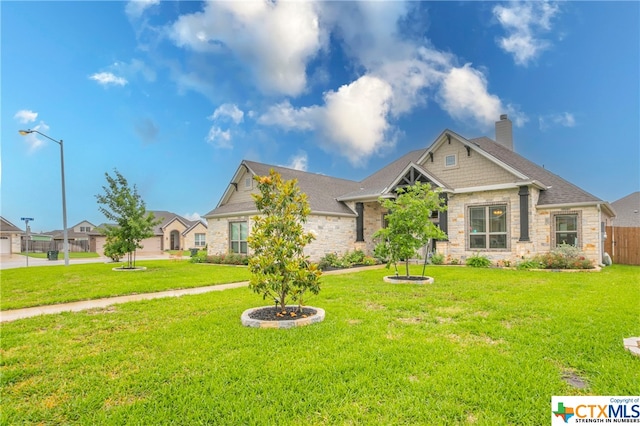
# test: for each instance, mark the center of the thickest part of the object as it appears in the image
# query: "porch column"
(360, 222)
(524, 213)
(443, 221)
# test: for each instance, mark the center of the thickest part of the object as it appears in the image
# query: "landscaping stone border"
(298, 322)
(391, 279)
(632, 344)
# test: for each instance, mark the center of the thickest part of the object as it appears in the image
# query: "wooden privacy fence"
(45, 246)
(623, 245)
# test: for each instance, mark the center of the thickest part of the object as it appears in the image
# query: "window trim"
(196, 240)
(455, 161)
(578, 231)
(487, 232)
(239, 241)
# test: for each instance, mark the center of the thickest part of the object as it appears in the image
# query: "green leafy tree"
(409, 224)
(124, 207)
(279, 268)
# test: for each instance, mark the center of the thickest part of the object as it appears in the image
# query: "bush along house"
(499, 204)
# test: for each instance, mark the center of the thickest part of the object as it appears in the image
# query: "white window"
(488, 227)
(238, 232)
(247, 182)
(200, 240)
(451, 160)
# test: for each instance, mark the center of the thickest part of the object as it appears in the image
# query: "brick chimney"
(504, 132)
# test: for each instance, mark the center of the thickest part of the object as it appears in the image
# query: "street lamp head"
(25, 132)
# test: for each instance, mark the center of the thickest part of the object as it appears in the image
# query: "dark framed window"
(238, 232)
(566, 229)
(488, 227)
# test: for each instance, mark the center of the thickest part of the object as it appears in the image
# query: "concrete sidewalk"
(83, 305)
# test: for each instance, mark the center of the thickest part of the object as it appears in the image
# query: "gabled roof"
(376, 184)
(627, 211)
(558, 191)
(166, 218)
(322, 191)
(8, 227)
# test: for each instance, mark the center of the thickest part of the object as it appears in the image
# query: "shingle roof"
(6, 226)
(559, 191)
(322, 190)
(627, 211)
(166, 217)
(375, 184)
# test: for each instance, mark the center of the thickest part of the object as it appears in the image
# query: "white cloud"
(524, 22)
(464, 95)
(193, 217)
(228, 111)
(564, 119)
(135, 8)
(25, 116)
(275, 39)
(299, 162)
(352, 120)
(33, 141)
(107, 78)
(219, 138)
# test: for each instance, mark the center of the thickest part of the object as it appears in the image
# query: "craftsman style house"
(499, 204)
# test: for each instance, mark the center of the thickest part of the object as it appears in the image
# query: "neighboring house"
(174, 232)
(10, 237)
(499, 204)
(624, 233)
(78, 237)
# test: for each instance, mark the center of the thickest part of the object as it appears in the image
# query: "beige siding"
(470, 171)
(243, 193)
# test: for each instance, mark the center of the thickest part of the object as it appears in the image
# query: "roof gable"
(627, 211)
(6, 226)
(322, 190)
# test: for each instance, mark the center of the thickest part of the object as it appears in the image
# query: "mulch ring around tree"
(276, 317)
(277, 314)
(411, 279)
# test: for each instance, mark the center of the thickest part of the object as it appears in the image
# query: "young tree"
(409, 225)
(278, 265)
(123, 206)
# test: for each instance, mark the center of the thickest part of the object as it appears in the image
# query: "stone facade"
(334, 234)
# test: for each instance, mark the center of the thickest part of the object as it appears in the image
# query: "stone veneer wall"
(333, 234)
(539, 227)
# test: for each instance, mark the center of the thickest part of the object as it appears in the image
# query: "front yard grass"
(486, 347)
(72, 255)
(46, 285)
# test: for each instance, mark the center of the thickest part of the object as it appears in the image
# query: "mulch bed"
(409, 278)
(277, 314)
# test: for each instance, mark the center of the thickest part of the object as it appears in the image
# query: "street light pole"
(64, 198)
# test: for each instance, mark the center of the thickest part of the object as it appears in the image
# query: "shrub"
(478, 261)
(200, 257)
(228, 259)
(437, 258)
(347, 260)
(564, 257)
(529, 264)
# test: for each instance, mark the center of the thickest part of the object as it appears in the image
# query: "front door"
(174, 240)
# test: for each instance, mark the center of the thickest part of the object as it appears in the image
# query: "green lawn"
(479, 346)
(46, 285)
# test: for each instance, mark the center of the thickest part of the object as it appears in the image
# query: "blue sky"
(175, 94)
